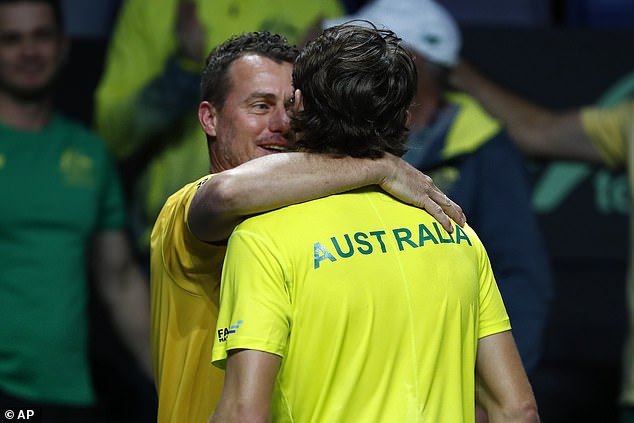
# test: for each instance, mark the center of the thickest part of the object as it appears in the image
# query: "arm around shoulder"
(277, 180)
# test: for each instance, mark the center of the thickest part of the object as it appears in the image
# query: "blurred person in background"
(63, 221)
(593, 134)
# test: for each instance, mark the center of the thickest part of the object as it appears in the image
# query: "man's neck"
(25, 116)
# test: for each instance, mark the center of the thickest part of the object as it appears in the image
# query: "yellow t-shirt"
(611, 130)
(375, 309)
(185, 280)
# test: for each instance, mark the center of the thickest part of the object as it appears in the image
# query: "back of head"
(216, 82)
(357, 83)
(55, 5)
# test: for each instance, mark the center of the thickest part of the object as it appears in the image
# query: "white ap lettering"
(25, 414)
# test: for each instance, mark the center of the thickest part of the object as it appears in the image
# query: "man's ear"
(207, 118)
(298, 104)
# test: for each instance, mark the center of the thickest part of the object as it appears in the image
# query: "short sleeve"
(607, 128)
(493, 317)
(255, 306)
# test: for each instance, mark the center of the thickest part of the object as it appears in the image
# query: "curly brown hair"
(357, 83)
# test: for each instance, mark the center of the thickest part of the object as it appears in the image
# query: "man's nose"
(280, 121)
(28, 46)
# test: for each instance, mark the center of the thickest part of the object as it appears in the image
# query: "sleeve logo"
(224, 333)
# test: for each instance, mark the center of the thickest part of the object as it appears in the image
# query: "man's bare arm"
(536, 130)
(125, 292)
(502, 387)
(281, 179)
(246, 394)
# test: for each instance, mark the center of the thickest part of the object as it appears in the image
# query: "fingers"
(408, 184)
(454, 211)
(443, 208)
(437, 212)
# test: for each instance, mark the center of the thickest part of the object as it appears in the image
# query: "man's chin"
(266, 151)
(28, 94)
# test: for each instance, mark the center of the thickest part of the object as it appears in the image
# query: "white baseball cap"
(424, 25)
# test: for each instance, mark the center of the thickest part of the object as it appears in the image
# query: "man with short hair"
(62, 215)
(247, 92)
(356, 306)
